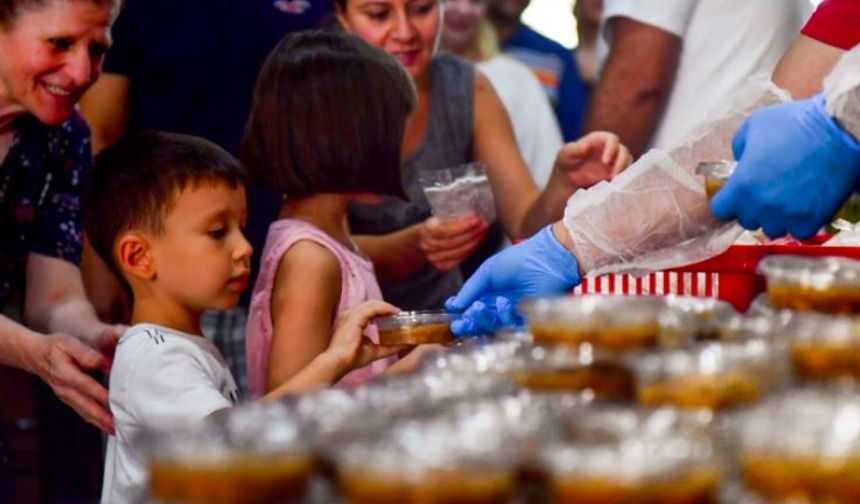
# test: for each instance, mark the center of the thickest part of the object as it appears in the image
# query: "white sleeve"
(842, 92)
(173, 386)
(537, 130)
(672, 16)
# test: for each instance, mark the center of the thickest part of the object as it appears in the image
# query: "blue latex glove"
(796, 166)
(535, 267)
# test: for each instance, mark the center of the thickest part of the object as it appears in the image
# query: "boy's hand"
(596, 157)
(448, 243)
(350, 346)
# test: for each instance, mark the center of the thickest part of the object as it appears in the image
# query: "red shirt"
(835, 23)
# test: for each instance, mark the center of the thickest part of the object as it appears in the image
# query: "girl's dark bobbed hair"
(328, 115)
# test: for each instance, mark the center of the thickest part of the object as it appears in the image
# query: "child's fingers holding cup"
(361, 315)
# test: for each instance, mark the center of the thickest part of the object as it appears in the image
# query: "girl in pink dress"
(325, 129)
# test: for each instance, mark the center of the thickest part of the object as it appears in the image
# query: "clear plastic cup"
(803, 446)
(415, 328)
(459, 191)
(434, 461)
(622, 455)
(707, 315)
(716, 173)
(254, 454)
(607, 322)
(821, 284)
(558, 369)
(824, 347)
(712, 376)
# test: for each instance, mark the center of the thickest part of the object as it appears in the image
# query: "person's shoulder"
(69, 139)
(153, 340)
(313, 258)
(141, 348)
(73, 128)
(308, 272)
(453, 81)
(508, 68)
(450, 64)
(150, 342)
(528, 38)
(147, 347)
(161, 377)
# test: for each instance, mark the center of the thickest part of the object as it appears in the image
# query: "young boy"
(166, 213)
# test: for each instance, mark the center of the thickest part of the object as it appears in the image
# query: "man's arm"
(804, 66)
(572, 102)
(105, 108)
(636, 82)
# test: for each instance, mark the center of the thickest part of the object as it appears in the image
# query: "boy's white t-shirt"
(160, 379)
(724, 43)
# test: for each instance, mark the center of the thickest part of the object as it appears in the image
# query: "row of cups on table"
(653, 400)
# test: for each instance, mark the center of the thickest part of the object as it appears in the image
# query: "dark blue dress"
(41, 184)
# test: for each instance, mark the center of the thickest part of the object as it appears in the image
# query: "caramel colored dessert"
(417, 335)
(620, 338)
(826, 361)
(709, 335)
(780, 479)
(446, 487)
(608, 381)
(712, 186)
(449, 487)
(714, 392)
(843, 300)
(700, 487)
(364, 488)
(243, 479)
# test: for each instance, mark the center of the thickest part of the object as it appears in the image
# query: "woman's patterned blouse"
(41, 190)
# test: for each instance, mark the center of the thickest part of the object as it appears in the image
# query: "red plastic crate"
(731, 276)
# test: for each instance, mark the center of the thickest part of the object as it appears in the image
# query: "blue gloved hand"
(796, 166)
(535, 267)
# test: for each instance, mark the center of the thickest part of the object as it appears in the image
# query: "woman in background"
(459, 119)
(469, 34)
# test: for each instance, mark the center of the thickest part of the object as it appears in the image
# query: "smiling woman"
(51, 53)
(459, 119)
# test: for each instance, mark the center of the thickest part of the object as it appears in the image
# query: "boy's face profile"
(201, 259)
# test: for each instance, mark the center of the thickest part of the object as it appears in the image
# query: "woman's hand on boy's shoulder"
(106, 340)
(595, 157)
(61, 363)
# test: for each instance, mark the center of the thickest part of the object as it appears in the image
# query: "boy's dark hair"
(328, 115)
(133, 184)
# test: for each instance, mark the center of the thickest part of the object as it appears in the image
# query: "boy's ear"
(133, 255)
